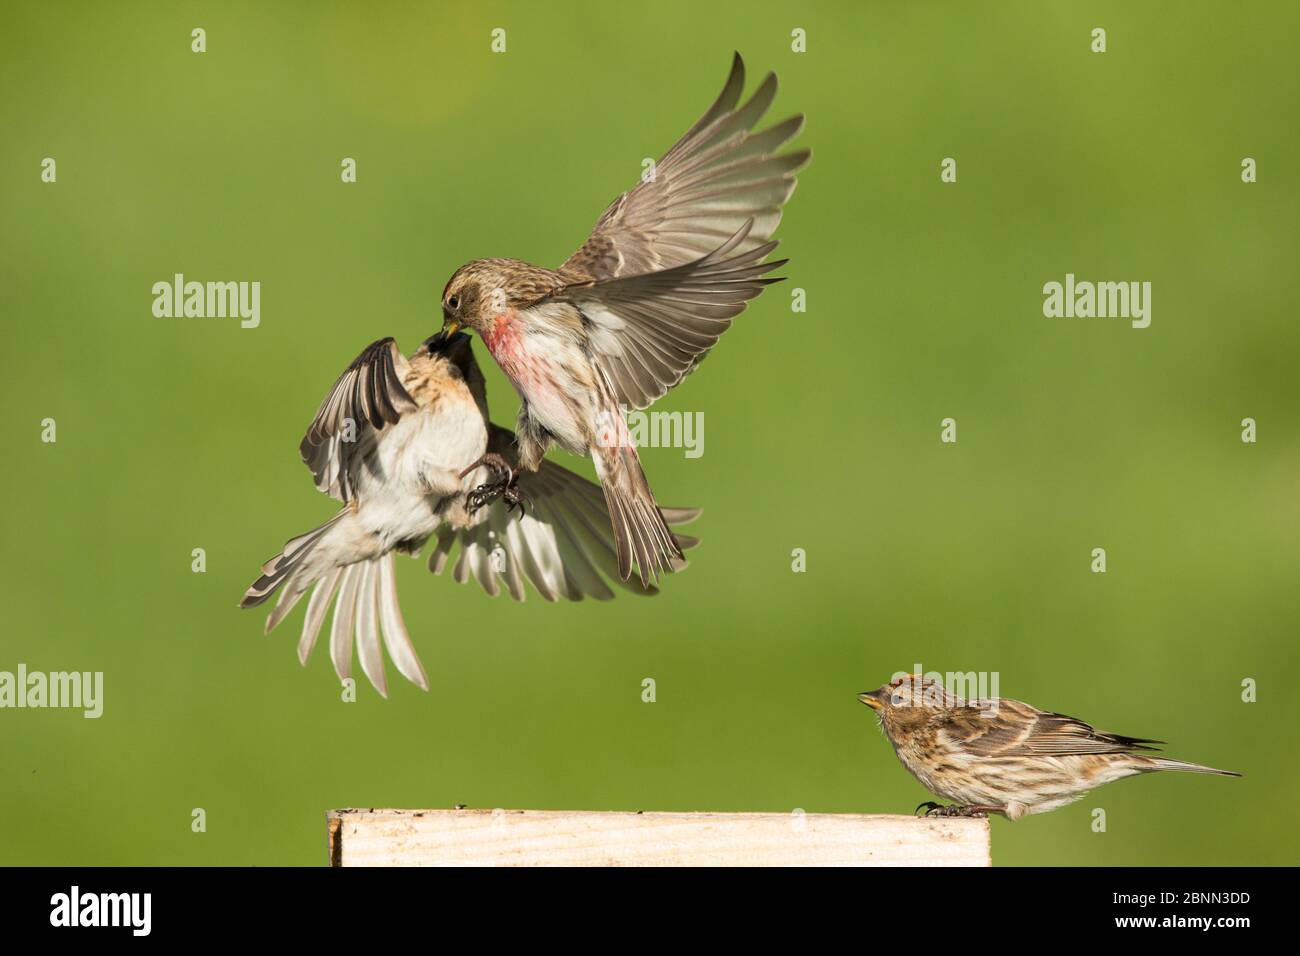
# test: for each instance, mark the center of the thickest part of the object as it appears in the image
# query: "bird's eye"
(453, 302)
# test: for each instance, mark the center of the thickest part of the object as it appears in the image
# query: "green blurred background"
(822, 429)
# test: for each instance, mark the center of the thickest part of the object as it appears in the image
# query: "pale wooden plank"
(578, 838)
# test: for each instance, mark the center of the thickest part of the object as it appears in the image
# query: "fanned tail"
(366, 612)
(640, 531)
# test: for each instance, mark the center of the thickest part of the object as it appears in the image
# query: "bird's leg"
(491, 460)
(504, 485)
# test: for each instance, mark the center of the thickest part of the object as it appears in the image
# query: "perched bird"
(1004, 756)
(390, 442)
(667, 267)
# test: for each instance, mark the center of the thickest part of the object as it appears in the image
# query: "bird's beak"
(872, 699)
(443, 340)
(449, 327)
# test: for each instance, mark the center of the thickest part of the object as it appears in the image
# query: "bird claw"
(514, 498)
(507, 491)
(504, 485)
(479, 497)
(937, 810)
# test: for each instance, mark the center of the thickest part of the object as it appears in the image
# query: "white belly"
(414, 475)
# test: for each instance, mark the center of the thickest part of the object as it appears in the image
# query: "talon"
(502, 486)
(514, 498)
(930, 807)
(480, 496)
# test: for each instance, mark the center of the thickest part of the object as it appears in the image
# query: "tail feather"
(396, 638)
(1164, 763)
(316, 609)
(640, 530)
(279, 569)
(345, 612)
(367, 619)
(594, 508)
(289, 598)
(366, 613)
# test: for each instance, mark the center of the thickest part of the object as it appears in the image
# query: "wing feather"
(369, 395)
(1017, 729)
(672, 261)
(648, 332)
(720, 174)
(562, 543)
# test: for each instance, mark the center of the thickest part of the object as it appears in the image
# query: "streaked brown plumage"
(667, 267)
(390, 442)
(1005, 756)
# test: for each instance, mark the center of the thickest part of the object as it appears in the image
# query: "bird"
(389, 441)
(635, 309)
(1004, 756)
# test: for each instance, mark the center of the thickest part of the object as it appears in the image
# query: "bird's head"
(456, 351)
(452, 346)
(907, 699)
(474, 296)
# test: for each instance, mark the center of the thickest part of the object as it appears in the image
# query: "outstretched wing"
(717, 177)
(561, 544)
(671, 262)
(1017, 729)
(367, 397)
(648, 332)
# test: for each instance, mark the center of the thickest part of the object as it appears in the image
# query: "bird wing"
(648, 332)
(367, 397)
(1017, 729)
(719, 175)
(561, 543)
(671, 262)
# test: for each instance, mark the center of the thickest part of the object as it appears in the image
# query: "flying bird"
(633, 311)
(389, 442)
(1004, 756)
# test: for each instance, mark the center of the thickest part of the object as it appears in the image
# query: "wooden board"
(576, 838)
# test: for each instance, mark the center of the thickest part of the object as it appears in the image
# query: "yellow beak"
(449, 327)
(871, 698)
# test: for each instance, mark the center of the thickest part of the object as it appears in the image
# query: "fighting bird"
(390, 442)
(667, 267)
